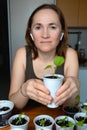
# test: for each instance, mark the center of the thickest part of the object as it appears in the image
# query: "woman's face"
(46, 30)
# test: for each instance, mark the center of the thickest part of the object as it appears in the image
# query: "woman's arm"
(70, 89)
(18, 78)
(21, 91)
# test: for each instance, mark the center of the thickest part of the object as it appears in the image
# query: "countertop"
(32, 112)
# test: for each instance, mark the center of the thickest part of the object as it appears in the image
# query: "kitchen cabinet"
(83, 83)
(82, 20)
(74, 12)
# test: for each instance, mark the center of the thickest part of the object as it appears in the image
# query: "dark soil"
(81, 119)
(4, 108)
(46, 123)
(84, 107)
(63, 123)
(71, 109)
(23, 121)
(52, 77)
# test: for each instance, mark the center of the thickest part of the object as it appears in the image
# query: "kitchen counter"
(32, 112)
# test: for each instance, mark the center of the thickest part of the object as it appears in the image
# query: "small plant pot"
(78, 117)
(53, 82)
(83, 107)
(6, 108)
(13, 122)
(64, 123)
(70, 111)
(16, 129)
(43, 122)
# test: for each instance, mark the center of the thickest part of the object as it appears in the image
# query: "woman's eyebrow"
(52, 24)
(39, 24)
(36, 24)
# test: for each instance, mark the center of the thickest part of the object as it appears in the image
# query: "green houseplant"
(71, 109)
(64, 123)
(83, 106)
(58, 61)
(43, 122)
(81, 120)
(54, 81)
(19, 121)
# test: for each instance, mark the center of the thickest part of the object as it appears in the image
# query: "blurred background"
(14, 15)
(4, 51)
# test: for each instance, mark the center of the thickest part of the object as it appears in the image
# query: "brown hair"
(62, 46)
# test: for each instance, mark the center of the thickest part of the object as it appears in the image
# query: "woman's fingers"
(69, 88)
(38, 92)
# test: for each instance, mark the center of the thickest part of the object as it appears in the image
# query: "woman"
(46, 36)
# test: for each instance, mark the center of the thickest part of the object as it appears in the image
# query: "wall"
(83, 83)
(18, 14)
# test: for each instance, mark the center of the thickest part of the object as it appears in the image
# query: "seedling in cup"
(19, 119)
(64, 122)
(81, 120)
(54, 81)
(58, 61)
(71, 109)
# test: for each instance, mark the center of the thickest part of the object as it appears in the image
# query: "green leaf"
(80, 123)
(70, 124)
(58, 60)
(63, 126)
(78, 98)
(85, 107)
(62, 120)
(42, 122)
(48, 66)
(19, 118)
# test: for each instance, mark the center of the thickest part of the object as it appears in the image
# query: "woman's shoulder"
(21, 51)
(71, 55)
(20, 56)
(70, 51)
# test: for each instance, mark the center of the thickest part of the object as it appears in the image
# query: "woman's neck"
(46, 57)
(43, 60)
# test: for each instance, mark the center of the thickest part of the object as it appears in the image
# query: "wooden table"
(32, 112)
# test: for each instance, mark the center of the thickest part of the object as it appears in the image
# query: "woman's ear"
(31, 36)
(62, 34)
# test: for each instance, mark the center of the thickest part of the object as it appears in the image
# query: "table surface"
(32, 112)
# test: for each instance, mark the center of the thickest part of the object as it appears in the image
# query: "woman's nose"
(45, 33)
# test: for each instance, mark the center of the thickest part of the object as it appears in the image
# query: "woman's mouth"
(45, 41)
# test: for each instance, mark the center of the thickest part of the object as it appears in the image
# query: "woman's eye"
(53, 27)
(37, 28)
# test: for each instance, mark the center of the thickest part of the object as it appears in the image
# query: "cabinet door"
(82, 13)
(70, 11)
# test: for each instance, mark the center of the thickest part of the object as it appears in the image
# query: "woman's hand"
(35, 89)
(68, 91)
